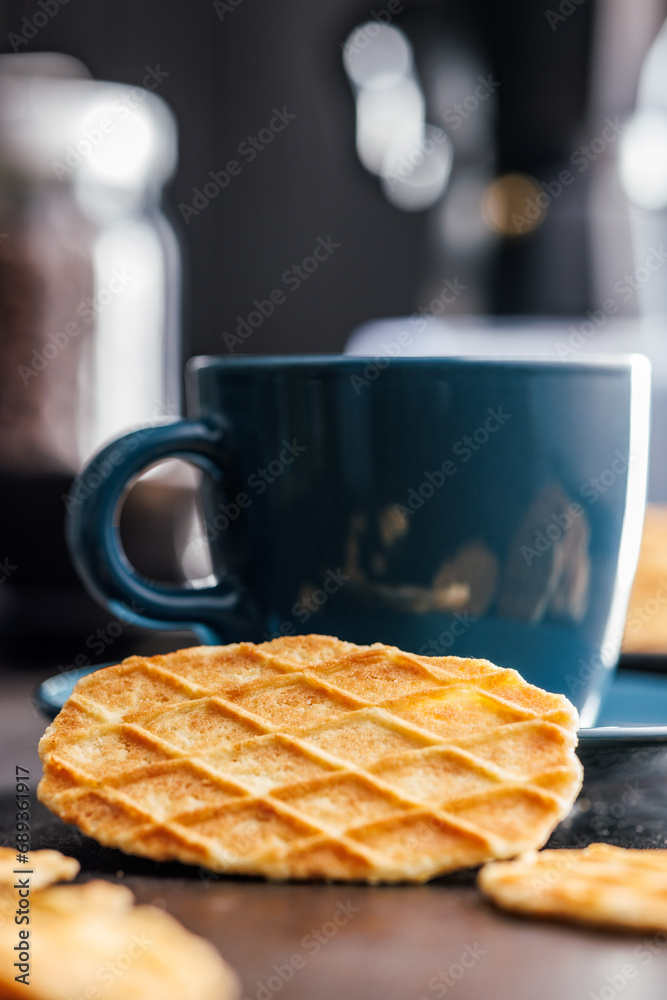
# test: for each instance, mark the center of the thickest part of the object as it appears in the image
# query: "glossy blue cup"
(488, 508)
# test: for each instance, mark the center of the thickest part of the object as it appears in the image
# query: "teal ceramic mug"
(475, 507)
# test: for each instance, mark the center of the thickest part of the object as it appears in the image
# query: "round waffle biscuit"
(310, 757)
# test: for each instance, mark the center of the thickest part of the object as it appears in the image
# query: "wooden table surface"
(326, 942)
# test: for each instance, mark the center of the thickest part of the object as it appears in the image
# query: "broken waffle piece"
(92, 941)
(309, 757)
(42, 868)
(45, 867)
(601, 884)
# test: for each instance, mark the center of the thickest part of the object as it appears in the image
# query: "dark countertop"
(320, 942)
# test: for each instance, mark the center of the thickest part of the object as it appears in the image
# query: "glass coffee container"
(89, 305)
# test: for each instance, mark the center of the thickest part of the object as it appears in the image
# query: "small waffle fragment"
(601, 884)
(91, 941)
(309, 757)
(45, 867)
(41, 869)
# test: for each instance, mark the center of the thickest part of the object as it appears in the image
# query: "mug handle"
(94, 540)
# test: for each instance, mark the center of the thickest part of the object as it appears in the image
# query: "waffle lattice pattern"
(601, 884)
(309, 757)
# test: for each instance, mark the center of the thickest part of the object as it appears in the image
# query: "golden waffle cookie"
(46, 867)
(308, 757)
(91, 941)
(599, 885)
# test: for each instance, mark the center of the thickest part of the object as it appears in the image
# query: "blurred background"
(275, 178)
(555, 79)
